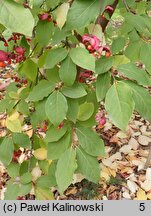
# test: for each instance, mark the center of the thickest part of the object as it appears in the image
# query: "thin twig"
(126, 5)
(33, 49)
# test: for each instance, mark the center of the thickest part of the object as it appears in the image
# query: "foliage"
(68, 59)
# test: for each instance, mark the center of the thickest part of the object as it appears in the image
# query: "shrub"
(68, 59)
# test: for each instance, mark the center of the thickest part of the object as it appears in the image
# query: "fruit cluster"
(3, 58)
(15, 37)
(84, 76)
(18, 53)
(100, 119)
(17, 56)
(43, 127)
(20, 81)
(94, 45)
(16, 155)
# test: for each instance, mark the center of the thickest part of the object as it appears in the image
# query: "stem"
(55, 7)
(126, 5)
(33, 49)
(42, 3)
(103, 21)
(78, 36)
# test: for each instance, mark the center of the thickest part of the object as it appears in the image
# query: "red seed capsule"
(2, 64)
(20, 50)
(43, 16)
(3, 56)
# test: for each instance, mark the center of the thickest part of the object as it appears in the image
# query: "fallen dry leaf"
(140, 195)
(133, 143)
(126, 195)
(71, 191)
(132, 186)
(144, 140)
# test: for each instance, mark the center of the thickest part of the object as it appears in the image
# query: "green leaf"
(90, 122)
(142, 100)
(56, 149)
(81, 57)
(26, 178)
(44, 181)
(53, 74)
(85, 111)
(40, 154)
(44, 166)
(14, 125)
(56, 108)
(66, 167)
(55, 56)
(145, 53)
(119, 59)
(73, 108)
(24, 189)
(75, 91)
(122, 110)
(3, 105)
(44, 31)
(43, 194)
(130, 53)
(24, 167)
(42, 59)
(23, 107)
(102, 85)
(51, 173)
(52, 3)
(16, 18)
(132, 72)
(21, 139)
(45, 88)
(134, 36)
(54, 134)
(13, 170)
(38, 116)
(118, 45)
(91, 97)
(2, 28)
(90, 141)
(24, 93)
(8, 105)
(29, 69)
(13, 95)
(6, 151)
(88, 166)
(82, 13)
(138, 22)
(68, 71)
(12, 191)
(141, 7)
(59, 35)
(61, 14)
(103, 65)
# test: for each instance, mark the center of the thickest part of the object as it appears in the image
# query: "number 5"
(142, 206)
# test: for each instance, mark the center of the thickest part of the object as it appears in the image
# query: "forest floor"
(125, 171)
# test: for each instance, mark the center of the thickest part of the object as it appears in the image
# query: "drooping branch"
(102, 20)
